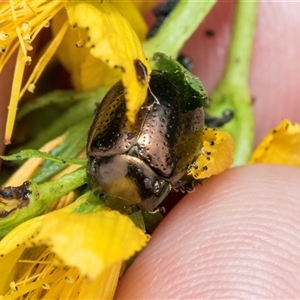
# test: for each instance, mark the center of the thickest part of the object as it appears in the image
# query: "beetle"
(142, 162)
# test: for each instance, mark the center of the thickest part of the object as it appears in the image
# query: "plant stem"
(178, 27)
(39, 196)
(233, 92)
(237, 68)
(53, 190)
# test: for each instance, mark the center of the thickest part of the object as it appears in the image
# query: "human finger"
(237, 236)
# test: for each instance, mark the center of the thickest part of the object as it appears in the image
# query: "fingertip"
(236, 236)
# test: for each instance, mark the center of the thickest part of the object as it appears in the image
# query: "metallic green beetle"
(142, 162)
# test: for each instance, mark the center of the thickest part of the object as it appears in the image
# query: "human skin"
(238, 234)
(5, 82)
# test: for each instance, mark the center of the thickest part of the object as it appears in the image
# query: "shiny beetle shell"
(141, 162)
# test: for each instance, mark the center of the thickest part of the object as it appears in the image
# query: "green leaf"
(30, 153)
(72, 145)
(92, 204)
(83, 106)
(189, 86)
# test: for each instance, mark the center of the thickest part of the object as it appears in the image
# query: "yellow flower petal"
(23, 234)
(87, 72)
(216, 154)
(8, 268)
(144, 6)
(131, 12)
(64, 255)
(91, 242)
(280, 146)
(104, 286)
(11, 248)
(114, 42)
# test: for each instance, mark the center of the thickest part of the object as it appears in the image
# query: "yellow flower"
(280, 146)
(65, 255)
(82, 259)
(216, 154)
(103, 28)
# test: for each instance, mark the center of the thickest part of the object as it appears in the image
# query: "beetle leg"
(185, 185)
(160, 209)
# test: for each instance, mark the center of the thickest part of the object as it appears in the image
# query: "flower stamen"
(14, 99)
(32, 10)
(22, 45)
(46, 278)
(44, 60)
(20, 24)
(2, 48)
(3, 36)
